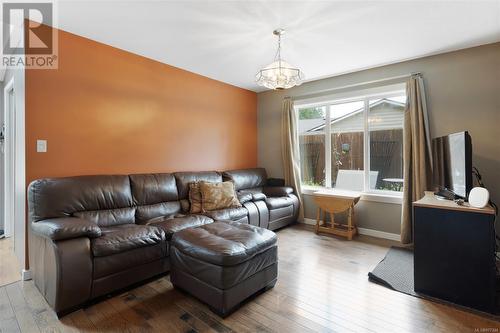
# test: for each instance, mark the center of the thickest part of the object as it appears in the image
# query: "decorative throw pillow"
(218, 196)
(194, 197)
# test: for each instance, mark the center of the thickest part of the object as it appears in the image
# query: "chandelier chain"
(277, 56)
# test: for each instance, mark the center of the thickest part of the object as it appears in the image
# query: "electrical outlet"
(41, 146)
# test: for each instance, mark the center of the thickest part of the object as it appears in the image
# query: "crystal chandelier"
(279, 74)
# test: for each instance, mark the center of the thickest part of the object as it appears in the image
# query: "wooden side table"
(334, 201)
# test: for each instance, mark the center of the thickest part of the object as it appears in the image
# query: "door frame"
(15, 196)
(9, 161)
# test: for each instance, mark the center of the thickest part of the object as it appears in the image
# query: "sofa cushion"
(184, 178)
(170, 225)
(218, 196)
(155, 195)
(246, 178)
(275, 203)
(149, 189)
(62, 197)
(108, 217)
(148, 212)
(117, 262)
(125, 237)
(234, 213)
(224, 243)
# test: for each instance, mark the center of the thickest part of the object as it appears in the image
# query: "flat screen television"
(452, 165)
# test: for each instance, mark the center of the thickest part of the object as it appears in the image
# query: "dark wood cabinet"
(454, 255)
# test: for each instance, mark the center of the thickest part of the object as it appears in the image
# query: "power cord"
(479, 180)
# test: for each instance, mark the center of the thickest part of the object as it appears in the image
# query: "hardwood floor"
(322, 287)
(9, 265)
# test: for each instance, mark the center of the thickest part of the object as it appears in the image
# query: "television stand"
(454, 252)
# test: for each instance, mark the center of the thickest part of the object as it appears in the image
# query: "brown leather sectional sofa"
(92, 235)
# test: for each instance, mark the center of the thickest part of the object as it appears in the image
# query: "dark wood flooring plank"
(131, 311)
(202, 312)
(165, 288)
(107, 319)
(163, 308)
(195, 311)
(80, 321)
(245, 320)
(231, 321)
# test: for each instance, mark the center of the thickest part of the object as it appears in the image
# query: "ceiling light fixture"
(279, 74)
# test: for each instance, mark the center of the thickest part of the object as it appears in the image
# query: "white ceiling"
(231, 40)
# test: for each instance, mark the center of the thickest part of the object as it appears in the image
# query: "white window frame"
(355, 96)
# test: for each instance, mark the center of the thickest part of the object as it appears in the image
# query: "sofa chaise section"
(277, 205)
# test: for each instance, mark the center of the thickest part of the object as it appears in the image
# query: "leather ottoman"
(224, 263)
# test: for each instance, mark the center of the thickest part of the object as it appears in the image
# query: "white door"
(8, 160)
(2, 174)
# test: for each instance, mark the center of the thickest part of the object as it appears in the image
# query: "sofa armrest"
(275, 182)
(254, 195)
(244, 197)
(277, 191)
(65, 228)
(258, 196)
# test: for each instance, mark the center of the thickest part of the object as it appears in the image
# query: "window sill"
(394, 198)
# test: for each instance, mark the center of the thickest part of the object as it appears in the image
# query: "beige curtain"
(290, 150)
(417, 153)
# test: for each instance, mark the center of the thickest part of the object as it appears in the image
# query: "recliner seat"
(276, 204)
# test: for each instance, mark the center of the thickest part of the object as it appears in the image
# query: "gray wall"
(463, 93)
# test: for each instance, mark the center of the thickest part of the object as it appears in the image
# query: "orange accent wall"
(108, 111)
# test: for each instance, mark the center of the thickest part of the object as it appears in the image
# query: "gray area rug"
(395, 271)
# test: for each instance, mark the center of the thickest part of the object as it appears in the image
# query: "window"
(312, 145)
(355, 145)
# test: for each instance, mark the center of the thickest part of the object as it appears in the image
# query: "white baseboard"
(379, 234)
(367, 232)
(308, 221)
(26, 274)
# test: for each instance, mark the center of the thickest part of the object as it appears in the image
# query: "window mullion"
(366, 146)
(328, 148)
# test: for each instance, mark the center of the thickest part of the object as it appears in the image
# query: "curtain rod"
(329, 91)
